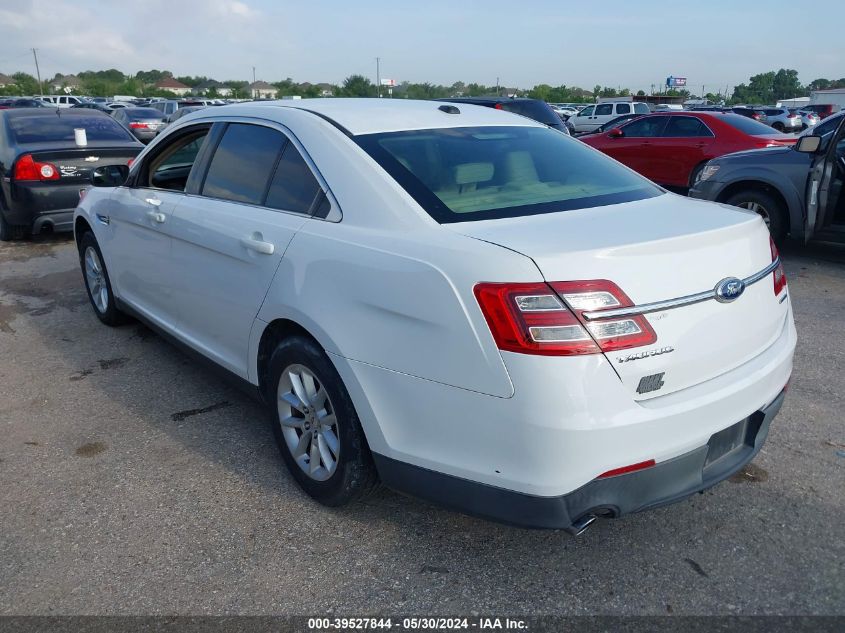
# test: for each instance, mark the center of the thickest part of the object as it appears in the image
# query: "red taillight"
(779, 274)
(129, 162)
(548, 319)
(793, 116)
(135, 125)
(628, 469)
(28, 169)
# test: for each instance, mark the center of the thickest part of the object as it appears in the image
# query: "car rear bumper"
(43, 205)
(662, 484)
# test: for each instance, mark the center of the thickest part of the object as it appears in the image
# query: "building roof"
(261, 85)
(67, 80)
(6, 80)
(369, 116)
(169, 82)
(837, 91)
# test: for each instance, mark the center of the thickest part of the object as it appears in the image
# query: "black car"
(751, 113)
(531, 108)
(797, 190)
(29, 103)
(143, 123)
(93, 105)
(42, 169)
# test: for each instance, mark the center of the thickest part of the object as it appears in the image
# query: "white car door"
(229, 239)
(139, 224)
(583, 121)
(603, 113)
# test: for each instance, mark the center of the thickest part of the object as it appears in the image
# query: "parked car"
(824, 110)
(751, 113)
(532, 108)
(144, 123)
(782, 119)
(808, 118)
(458, 301)
(94, 105)
(169, 106)
(119, 105)
(62, 101)
(26, 102)
(614, 123)
(42, 169)
(182, 112)
(594, 116)
(797, 191)
(671, 148)
(5, 104)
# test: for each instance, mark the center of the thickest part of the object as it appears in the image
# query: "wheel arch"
(80, 226)
(788, 197)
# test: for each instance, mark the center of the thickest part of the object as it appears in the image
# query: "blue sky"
(630, 44)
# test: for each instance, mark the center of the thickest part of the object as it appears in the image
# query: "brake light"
(28, 169)
(498, 106)
(792, 116)
(129, 162)
(628, 469)
(548, 319)
(779, 274)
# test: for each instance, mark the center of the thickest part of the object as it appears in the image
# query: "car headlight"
(708, 172)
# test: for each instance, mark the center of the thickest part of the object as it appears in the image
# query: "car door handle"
(259, 246)
(153, 201)
(156, 217)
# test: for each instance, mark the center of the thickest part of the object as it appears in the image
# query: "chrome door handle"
(153, 201)
(259, 246)
(156, 217)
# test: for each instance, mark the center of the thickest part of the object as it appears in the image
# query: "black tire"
(111, 316)
(772, 209)
(9, 232)
(778, 126)
(693, 178)
(355, 474)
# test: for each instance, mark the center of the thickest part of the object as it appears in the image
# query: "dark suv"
(531, 108)
(796, 190)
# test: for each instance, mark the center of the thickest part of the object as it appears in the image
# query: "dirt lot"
(132, 481)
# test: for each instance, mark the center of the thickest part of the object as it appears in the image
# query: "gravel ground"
(133, 481)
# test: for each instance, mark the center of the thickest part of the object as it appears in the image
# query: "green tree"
(152, 76)
(358, 86)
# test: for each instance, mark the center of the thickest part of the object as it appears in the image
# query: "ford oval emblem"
(729, 289)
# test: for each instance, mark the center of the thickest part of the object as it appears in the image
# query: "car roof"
(370, 116)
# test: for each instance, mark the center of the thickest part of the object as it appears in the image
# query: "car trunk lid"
(658, 250)
(75, 165)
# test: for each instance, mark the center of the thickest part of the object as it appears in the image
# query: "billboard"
(675, 82)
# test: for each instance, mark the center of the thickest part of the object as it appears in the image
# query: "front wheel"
(766, 206)
(315, 424)
(97, 281)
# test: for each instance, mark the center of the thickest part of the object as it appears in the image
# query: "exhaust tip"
(582, 525)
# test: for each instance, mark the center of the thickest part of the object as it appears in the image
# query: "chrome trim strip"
(669, 304)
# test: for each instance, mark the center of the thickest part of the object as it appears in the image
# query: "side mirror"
(808, 144)
(109, 176)
(616, 133)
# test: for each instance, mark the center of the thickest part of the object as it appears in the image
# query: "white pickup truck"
(591, 117)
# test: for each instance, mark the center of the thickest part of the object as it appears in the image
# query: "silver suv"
(782, 119)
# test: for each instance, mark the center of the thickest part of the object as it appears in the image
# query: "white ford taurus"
(456, 301)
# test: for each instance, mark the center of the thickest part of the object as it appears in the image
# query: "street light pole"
(378, 76)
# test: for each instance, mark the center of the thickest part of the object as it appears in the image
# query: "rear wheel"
(778, 126)
(9, 232)
(97, 281)
(766, 206)
(316, 426)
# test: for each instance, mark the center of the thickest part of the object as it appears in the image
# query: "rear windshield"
(38, 129)
(480, 173)
(748, 126)
(143, 113)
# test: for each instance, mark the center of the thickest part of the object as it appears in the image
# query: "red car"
(671, 148)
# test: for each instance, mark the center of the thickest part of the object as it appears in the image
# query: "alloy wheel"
(759, 209)
(308, 422)
(96, 279)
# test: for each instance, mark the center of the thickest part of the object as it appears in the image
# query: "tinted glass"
(825, 129)
(586, 111)
(537, 110)
(293, 187)
(646, 127)
(35, 129)
(242, 163)
(747, 126)
(464, 174)
(685, 126)
(623, 108)
(172, 165)
(604, 108)
(136, 114)
(641, 108)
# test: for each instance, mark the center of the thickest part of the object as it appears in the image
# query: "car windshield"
(480, 173)
(37, 129)
(747, 126)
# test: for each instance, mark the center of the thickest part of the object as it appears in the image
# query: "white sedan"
(453, 300)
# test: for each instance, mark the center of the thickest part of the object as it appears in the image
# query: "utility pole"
(38, 72)
(497, 86)
(378, 76)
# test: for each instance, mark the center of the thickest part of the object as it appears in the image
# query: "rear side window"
(243, 162)
(685, 126)
(604, 109)
(294, 187)
(641, 108)
(623, 108)
(38, 129)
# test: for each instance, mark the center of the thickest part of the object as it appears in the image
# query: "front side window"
(604, 109)
(588, 111)
(480, 173)
(646, 127)
(169, 168)
(243, 162)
